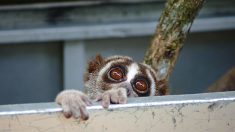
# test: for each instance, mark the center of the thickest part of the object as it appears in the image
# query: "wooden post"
(174, 24)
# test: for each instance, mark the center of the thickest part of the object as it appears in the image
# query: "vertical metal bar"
(74, 64)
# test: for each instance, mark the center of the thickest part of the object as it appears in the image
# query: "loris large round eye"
(141, 86)
(116, 74)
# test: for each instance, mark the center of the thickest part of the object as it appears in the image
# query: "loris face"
(122, 72)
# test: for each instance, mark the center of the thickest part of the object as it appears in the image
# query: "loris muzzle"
(111, 81)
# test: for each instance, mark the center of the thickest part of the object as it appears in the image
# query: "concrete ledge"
(178, 113)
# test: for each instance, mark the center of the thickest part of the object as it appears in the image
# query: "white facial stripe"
(152, 87)
(106, 67)
(132, 71)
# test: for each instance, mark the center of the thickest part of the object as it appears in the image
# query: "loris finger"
(66, 111)
(106, 100)
(80, 110)
(122, 96)
(84, 114)
(86, 100)
(114, 97)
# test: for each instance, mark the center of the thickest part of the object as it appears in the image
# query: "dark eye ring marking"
(116, 74)
(141, 85)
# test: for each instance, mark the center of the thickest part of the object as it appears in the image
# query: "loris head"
(121, 71)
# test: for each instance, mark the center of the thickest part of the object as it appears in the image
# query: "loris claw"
(111, 80)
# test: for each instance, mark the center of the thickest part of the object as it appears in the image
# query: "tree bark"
(174, 25)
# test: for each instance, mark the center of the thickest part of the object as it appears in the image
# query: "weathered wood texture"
(202, 112)
(174, 24)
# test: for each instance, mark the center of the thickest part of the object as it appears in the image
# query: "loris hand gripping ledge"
(111, 81)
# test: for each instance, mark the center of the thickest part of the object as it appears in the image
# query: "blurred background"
(45, 44)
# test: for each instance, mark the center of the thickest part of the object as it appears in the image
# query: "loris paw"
(114, 96)
(73, 103)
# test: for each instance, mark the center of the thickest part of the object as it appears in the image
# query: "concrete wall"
(179, 113)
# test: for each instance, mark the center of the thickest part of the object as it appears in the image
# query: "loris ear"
(95, 63)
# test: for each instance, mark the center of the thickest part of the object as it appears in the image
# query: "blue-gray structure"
(44, 47)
